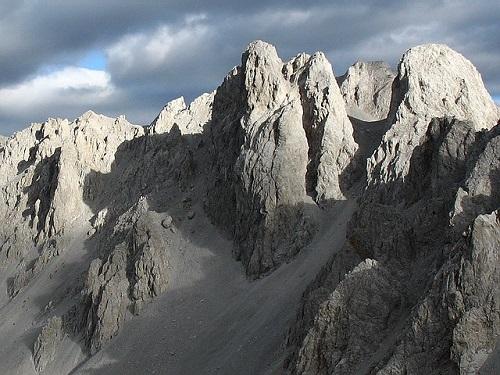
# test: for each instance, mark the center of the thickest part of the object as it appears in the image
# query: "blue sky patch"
(95, 59)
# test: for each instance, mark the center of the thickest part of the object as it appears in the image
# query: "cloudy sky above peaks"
(59, 58)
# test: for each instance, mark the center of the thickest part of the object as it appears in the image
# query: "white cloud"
(150, 50)
(282, 17)
(57, 93)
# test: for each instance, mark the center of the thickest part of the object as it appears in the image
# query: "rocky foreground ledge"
(103, 220)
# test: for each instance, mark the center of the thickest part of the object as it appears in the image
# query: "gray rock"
(481, 191)
(189, 119)
(26, 274)
(279, 132)
(367, 90)
(3, 140)
(149, 276)
(47, 343)
(134, 272)
(167, 222)
(42, 176)
(364, 302)
(106, 298)
(432, 81)
(409, 293)
(415, 287)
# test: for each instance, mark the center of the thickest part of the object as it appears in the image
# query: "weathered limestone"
(414, 290)
(432, 81)
(279, 132)
(134, 272)
(189, 119)
(409, 293)
(367, 90)
(42, 175)
(427, 174)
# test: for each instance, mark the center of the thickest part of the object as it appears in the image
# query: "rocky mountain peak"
(460, 90)
(432, 81)
(365, 206)
(280, 135)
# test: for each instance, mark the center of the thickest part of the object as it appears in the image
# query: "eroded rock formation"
(414, 288)
(279, 135)
(367, 90)
(189, 119)
(404, 294)
(432, 81)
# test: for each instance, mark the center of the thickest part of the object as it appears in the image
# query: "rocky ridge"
(414, 288)
(432, 81)
(189, 119)
(404, 304)
(279, 136)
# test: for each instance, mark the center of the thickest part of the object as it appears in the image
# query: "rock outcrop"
(106, 298)
(42, 183)
(432, 81)
(414, 288)
(279, 134)
(133, 262)
(189, 119)
(408, 291)
(47, 343)
(367, 90)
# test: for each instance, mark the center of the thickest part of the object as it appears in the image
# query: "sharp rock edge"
(414, 288)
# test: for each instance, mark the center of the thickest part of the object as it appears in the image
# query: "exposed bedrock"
(414, 289)
(432, 81)
(279, 136)
(367, 90)
(410, 289)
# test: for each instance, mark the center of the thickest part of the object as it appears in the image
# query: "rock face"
(279, 133)
(410, 287)
(133, 256)
(414, 288)
(367, 90)
(42, 178)
(432, 81)
(47, 343)
(189, 119)
(106, 290)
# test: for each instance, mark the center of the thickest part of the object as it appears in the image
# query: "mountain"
(288, 222)
(367, 90)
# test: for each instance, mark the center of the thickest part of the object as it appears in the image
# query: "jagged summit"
(287, 222)
(432, 81)
(261, 48)
(280, 135)
(190, 119)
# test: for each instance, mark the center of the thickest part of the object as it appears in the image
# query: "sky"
(60, 58)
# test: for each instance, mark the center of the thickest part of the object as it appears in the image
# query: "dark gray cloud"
(161, 50)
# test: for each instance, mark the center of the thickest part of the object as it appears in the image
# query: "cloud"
(56, 94)
(139, 53)
(151, 54)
